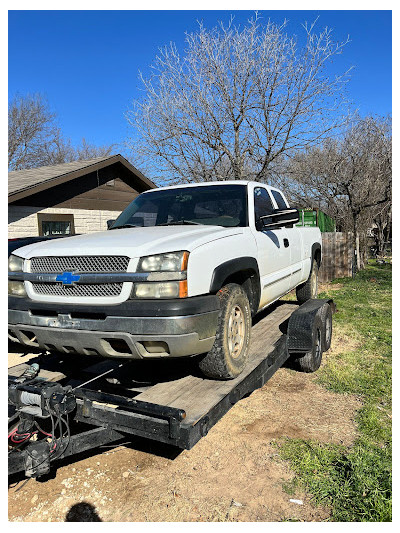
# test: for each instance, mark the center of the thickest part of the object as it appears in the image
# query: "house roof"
(22, 183)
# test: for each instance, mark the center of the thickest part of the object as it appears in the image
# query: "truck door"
(273, 252)
(294, 241)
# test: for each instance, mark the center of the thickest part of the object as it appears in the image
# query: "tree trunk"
(355, 243)
(358, 256)
(380, 239)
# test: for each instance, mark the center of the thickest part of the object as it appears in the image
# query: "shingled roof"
(22, 183)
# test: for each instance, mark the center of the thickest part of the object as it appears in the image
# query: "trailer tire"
(311, 361)
(229, 354)
(326, 316)
(309, 289)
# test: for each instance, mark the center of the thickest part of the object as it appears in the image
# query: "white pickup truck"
(180, 273)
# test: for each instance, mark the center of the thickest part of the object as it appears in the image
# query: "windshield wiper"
(125, 226)
(171, 223)
(178, 222)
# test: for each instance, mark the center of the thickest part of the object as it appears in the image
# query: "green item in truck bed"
(314, 217)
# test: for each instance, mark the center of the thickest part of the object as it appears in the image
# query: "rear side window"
(279, 199)
(262, 203)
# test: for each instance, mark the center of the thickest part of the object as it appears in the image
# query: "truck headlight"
(16, 288)
(15, 264)
(169, 269)
(170, 262)
(169, 289)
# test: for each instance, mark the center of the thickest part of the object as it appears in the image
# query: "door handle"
(286, 242)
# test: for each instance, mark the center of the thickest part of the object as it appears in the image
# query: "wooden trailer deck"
(198, 395)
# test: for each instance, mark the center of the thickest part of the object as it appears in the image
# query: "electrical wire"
(45, 459)
(62, 448)
(12, 432)
(17, 441)
(18, 438)
(42, 431)
(53, 440)
(54, 445)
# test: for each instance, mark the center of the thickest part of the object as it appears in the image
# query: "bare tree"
(31, 129)
(35, 140)
(383, 229)
(348, 177)
(62, 151)
(236, 101)
(85, 150)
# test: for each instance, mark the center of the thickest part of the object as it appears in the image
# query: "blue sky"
(87, 62)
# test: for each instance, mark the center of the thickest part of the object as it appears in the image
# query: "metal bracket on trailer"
(122, 410)
(79, 443)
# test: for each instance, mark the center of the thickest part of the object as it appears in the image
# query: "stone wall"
(23, 221)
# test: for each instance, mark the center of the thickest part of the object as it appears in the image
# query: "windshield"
(218, 205)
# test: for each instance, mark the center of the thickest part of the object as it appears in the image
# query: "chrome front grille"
(95, 289)
(80, 263)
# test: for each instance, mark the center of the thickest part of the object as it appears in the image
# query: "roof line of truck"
(207, 183)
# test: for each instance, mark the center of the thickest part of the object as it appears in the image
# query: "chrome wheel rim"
(236, 331)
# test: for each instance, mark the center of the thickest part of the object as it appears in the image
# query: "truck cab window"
(262, 203)
(279, 200)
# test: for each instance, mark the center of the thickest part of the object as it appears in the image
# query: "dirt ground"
(232, 474)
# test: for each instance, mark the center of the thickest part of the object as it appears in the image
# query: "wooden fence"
(337, 256)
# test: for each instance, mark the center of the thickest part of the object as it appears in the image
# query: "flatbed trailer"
(166, 401)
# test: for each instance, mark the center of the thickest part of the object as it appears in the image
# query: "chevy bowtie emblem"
(68, 278)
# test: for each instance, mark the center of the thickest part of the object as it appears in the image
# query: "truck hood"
(131, 242)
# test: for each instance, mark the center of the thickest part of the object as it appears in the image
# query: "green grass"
(355, 482)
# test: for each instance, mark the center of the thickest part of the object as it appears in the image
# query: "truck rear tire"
(309, 289)
(229, 354)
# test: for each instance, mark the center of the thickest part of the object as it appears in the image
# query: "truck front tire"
(229, 354)
(309, 289)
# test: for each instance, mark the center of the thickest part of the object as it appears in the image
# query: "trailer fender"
(304, 321)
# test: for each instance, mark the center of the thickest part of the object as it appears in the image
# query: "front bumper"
(115, 331)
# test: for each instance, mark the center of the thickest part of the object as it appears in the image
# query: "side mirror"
(110, 222)
(279, 219)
